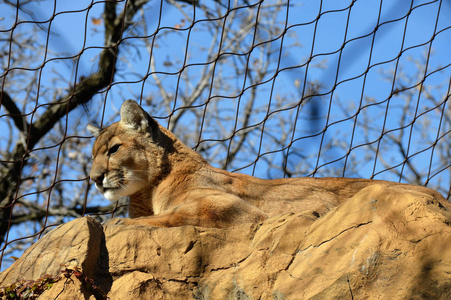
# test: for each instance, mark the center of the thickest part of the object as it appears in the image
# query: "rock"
(384, 242)
(68, 289)
(75, 244)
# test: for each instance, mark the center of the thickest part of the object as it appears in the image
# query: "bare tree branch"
(14, 112)
(81, 94)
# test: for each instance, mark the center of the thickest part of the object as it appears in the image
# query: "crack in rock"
(323, 242)
(347, 229)
(337, 235)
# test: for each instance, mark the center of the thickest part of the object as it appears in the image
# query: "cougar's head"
(126, 156)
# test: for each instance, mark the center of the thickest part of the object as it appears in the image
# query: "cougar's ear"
(95, 131)
(134, 117)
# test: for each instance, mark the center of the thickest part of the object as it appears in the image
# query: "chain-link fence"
(269, 88)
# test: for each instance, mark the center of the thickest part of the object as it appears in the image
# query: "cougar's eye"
(114, 149)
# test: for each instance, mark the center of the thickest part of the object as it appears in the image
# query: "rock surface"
(383, 243)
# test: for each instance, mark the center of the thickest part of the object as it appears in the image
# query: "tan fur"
(169, 184)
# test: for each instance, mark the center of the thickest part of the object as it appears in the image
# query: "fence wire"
(269, 88)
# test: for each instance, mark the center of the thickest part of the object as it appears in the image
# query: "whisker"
(132, 177)
(135, 179)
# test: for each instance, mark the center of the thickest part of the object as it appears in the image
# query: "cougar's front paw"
(115, 221)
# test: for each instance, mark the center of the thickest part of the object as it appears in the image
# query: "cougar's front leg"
(218, 210)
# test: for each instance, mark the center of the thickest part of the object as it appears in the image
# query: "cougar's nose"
(97, 178)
